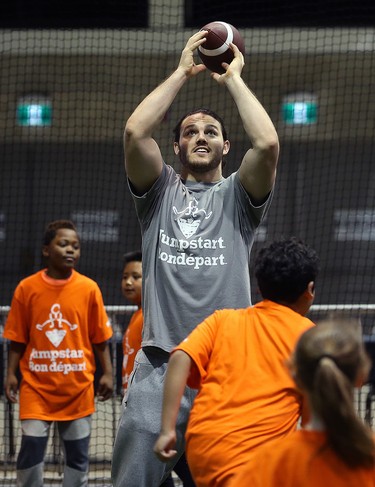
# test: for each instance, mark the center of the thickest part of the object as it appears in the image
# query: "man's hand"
(232, 69)
(187, 64)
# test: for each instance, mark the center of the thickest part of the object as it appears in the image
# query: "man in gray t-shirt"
(197, 230)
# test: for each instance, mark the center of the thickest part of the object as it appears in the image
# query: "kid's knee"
(31, 452)
(77, 453)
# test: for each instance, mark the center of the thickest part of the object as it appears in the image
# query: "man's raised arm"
(258, 168)
(143, 159)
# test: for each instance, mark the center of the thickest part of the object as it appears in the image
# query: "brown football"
(216, 49)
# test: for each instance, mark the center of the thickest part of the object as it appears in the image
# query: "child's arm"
(16, 350)
(175, 382)
(105, 385)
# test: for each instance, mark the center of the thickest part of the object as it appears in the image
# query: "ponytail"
(329, 360)
(332, 400)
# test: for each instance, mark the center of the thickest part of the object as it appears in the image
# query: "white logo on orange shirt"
(56, 322)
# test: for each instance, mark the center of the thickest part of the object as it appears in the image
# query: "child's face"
(63, 253)
(131, 284)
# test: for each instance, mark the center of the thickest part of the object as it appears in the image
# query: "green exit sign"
(34, 113)
(300, 109)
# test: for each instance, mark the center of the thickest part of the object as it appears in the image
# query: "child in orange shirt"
(131, 287)
(335, 448)
(236, 360)
(56, 319)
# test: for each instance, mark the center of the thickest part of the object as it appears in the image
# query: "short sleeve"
(199, 345)
(16, 328)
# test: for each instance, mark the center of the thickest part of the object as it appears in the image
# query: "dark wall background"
(46, 181)
(279, 13)
(43, 182)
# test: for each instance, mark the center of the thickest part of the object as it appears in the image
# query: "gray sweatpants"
(134, 463)
(75, 436)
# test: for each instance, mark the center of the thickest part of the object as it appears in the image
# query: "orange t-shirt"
(246, 394)
(58, 321)
(131, 343)
(302, 459)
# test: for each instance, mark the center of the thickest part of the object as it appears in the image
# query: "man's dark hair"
(52, 227)
(206, 111)
(284, 269)
(134, 256)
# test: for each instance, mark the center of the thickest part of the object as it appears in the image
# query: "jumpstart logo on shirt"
(188, 221)
(188, 218)
(56, 328)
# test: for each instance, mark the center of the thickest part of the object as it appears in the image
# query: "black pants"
(182, 470)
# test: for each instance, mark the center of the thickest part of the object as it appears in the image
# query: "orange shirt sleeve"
(199, 345)
(16, 328)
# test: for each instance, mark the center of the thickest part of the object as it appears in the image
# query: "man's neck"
(206, 177)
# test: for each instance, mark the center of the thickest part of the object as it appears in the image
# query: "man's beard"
(200, 167)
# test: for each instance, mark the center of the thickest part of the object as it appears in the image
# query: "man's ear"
(176, 148)
(45, 251)
(226, 147)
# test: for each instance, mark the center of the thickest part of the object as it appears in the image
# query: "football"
(216, 49)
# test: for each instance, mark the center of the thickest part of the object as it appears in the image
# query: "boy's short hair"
(284, 269)
(52, 227)
(134, 256)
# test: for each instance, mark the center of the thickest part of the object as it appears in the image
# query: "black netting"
(311, 64)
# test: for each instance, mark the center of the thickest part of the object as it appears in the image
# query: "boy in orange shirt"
(336, 447)
(131, 287)
(237, 361)
(57, 317)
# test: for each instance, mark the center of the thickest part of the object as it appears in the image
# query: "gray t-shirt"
(196, 242)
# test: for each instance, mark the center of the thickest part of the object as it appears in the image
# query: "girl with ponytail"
(336, 448)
